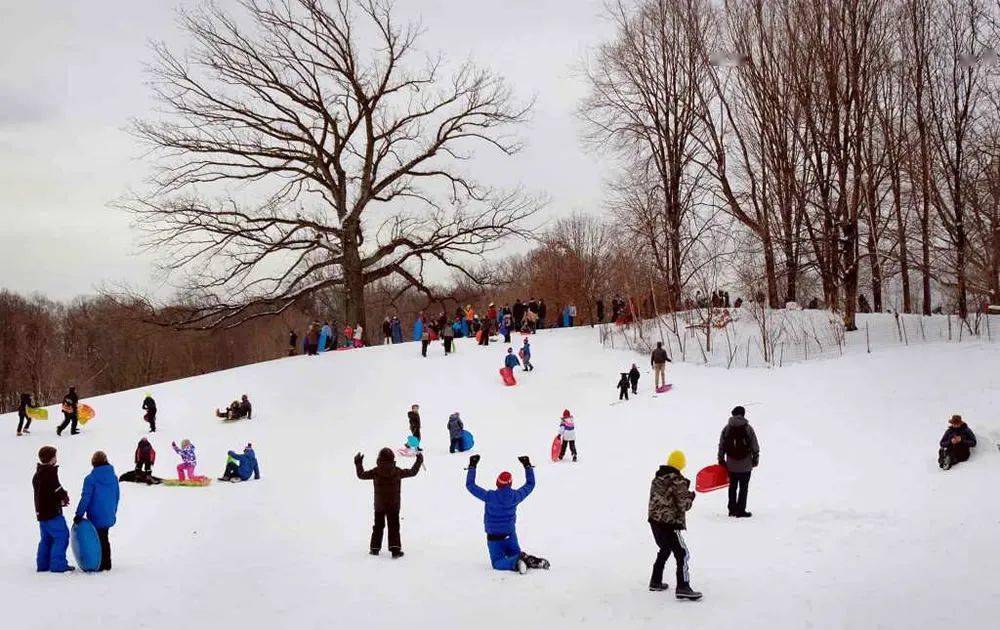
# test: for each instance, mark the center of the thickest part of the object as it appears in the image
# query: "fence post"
(906, 338)
(988, 336)
(748, 351)
(949, 326)
(922, 335)
(781, 361)
(868, 340)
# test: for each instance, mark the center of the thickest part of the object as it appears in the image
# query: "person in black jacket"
(623, 385)
(149, 405)
(386, 477)
(69, 409)
(956, 443)
(50, 499)
(600, 311)
(633, 378)
(413, 415)
(518, 313)
(23, 420)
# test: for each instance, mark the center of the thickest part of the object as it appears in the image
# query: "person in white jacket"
(567, 431)
(358, 331)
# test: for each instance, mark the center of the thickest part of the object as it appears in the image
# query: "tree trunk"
(904, 257)
(876, 271)
(925, 259)
(354, 279)
(770, 271)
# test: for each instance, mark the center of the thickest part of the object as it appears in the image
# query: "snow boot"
(744, 515)
(374, 552)
(684, 591)
(658, 586)
(397, 554)
(534, 562)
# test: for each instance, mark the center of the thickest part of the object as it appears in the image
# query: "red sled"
(663, 389)
(556, 448)
(508, 376)
(711, 478)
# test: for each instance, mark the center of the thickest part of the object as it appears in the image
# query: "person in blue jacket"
(500, 517)
(99, 503)
(241, 467)
(526, 356)
(510, 361)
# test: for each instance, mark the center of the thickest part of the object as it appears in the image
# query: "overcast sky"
(72, 77)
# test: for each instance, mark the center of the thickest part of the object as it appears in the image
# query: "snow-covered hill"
(854, 525)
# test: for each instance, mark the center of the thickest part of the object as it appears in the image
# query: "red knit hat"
(566, 414)
(504, 479)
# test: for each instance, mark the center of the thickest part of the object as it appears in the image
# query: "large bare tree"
(306, 145)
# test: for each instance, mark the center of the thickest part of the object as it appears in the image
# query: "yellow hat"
(677, 460)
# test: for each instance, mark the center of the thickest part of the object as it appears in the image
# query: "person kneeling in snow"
(670, 498)
(500, 517)
(955, 443)
(386, 477)
(241, 467)
(145, 457)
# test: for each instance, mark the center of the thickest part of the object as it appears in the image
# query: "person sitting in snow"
(500, 517)
(386, 478)
(510, 361)
(567, 431)
(956, 443)
(670, 498)
(633, 378)
(145, 457)
(239, 467)
(237, 410)
(623, 386)
(455, 429)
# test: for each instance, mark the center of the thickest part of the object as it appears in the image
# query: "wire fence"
(753, 336)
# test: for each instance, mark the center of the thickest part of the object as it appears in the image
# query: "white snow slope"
(854, 525)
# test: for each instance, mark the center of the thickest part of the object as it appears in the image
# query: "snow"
(854, 525)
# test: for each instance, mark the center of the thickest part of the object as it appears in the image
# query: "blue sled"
(467, 441)
(86, 546)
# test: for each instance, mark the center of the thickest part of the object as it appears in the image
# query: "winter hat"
(677, 460)
(46, 454)
(739, 411)
(956, 420)
(504, 480)
(566, 414)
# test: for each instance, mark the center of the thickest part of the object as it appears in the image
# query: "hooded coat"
(670, 498)
(455, 426)
(500, 515)
(247, 463)
(99, 500)
(963, 431)
(739, 464)
(386, 477)
(144, 453)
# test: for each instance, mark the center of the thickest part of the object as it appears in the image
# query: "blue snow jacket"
(247, 464)
(99, 500)
(526, 350)
(500, 517)
(511, 361)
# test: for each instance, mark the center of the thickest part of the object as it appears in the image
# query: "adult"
(149, 406)
(659, 359)
(600, 311)
(70, 409)
(541, 313)
(670, 498)
(448, 336)
(386, 478)
(518, 314)
(293, 340)
(99, 503)
(50, 499)
(956, 443)
(241, 466)
(739, 452)
(386, 331)
(500, 517)
(23, 419)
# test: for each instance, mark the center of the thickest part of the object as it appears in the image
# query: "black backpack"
(737, 442)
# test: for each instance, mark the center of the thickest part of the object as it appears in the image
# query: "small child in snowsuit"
(670, 498)
(567, 431)
(633, 378)
(386, 477)
(188, 459)
(623, 386)
(526, 356)
(455, 429)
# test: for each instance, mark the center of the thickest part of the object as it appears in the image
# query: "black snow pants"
(381, 518)
(669, 542)
(739, 485)
(23, 421)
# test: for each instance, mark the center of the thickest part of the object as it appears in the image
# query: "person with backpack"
(386, 478)
(956, 443)
(670, 497)
(149, 406)
(659, 360)
(23, 419)
(739, 452)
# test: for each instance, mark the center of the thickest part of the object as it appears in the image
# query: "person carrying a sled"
(240, 467)
(739, 452)
(455, 429)
(500, 517)
(567, 431)
(23, 419)
(510, 361)
(149, 406)
(99, 503)
(670, 497)
(623, 385)
(386, 478)
(70, 409)
(633, 378)
(659, 360)
(956, 443)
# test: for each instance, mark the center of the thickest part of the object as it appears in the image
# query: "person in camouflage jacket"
(670, 497)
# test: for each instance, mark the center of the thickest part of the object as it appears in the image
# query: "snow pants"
(52, 545)
(68, 419)
(623, 393)
(572, 447)
(102, 535)
(447, 344)
(185, 467)
(956, 452)
(504, 551)
(381, 518)
(456, 445)
(150, 419)
(739, 485)
(23, 422)
(669, 542)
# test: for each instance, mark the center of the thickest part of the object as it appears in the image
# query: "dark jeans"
(739, 484)
(623, 393)
(456, 445)
(69, 419)
(151, 419)
(669, 542)
(423, 347)
(572, 447)
(635, 387)
(381, 517)
(506, 336)
(447, 345)
(23, 422)
(102, 535)
(232, 470)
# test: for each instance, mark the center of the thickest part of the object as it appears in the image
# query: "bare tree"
(355, 145)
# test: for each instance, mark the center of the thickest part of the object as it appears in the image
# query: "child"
(99, 503)
(510, 361)
(386, 477)
(188, 459)
(50, 499)
(23, 419)
(623, 386)
(633, 377)
(956, 443)
(149, 406)
(526, 356)
(670, 498)
(411, 447)
(567, 431)
(413, 415)
(241, 467)
(455, 429)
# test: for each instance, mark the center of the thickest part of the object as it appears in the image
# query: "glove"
(473, 461)
(77, 520)
(525, 461)
(358, 457)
